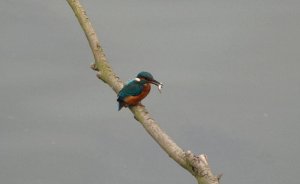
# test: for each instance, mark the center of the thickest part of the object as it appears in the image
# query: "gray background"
(232, 91)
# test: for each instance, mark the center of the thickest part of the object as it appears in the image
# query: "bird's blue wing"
(133, 88)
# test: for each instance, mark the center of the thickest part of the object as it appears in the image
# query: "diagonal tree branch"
(197, 165)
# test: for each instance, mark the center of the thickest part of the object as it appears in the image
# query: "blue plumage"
(133, 92)
(133, 88)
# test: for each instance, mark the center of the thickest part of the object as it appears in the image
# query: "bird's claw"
(140, 104)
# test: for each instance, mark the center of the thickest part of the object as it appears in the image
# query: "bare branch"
(196, 165)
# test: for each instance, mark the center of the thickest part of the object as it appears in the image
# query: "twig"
(196, 165)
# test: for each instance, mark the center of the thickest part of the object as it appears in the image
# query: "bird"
(136, 90)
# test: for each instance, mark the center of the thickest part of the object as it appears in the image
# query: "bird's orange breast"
(134, 100)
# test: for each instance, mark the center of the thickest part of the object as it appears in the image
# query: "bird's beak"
(160, 85)
(155, 82)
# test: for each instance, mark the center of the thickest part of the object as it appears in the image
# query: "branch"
(197, 165)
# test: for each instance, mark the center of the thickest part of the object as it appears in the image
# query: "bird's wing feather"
(130, 89)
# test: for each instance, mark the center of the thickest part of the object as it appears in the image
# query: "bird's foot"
(140, 104)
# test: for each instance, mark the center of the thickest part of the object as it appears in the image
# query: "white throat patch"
(137, 79)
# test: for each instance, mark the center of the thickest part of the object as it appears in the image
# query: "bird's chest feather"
(134, 100)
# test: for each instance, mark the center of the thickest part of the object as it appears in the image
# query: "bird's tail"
(121, 104)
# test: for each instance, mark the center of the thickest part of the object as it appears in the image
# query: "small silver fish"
(160, 87)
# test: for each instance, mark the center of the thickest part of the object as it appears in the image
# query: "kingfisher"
(136, 90)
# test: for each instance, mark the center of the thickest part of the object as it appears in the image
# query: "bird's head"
(148, 78)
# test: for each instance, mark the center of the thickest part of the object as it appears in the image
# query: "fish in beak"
(158, 84)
